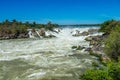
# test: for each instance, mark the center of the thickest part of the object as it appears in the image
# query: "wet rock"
(92, 31)
(74, 47)
(23, 35)
(105, 58)
(92, 39)
(42, 32)
(85, 33)
(56, 30)
(96, 38)
(88, 49)
(98, 48)
(77, 47)
(96, 44)
(89, 38)
(13, 36)
(93, 42)
(77, 33)
(50, 36)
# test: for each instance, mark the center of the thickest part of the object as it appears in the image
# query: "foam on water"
(48, 58)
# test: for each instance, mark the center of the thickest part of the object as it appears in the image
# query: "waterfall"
(30, 34)
(38, 34)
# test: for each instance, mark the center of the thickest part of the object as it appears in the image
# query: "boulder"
(13, 36)
(42, 32)
(77, 33)
(23, 35)
(92, 31)
(50, 36)
(77, 47)
(88, 49)
(93, 42)
(85, 33)
(97, 47)
(89, 38)
(94, 38)
(74, 47)
(56, 30)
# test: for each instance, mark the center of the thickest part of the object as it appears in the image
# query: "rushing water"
(48, 59)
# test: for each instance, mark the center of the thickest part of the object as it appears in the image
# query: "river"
(44, 59)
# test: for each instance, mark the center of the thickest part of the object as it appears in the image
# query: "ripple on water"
(45, 59)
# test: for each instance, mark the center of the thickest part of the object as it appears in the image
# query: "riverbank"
(111, 47)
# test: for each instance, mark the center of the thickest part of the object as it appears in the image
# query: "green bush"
(109, 26)
(96, 75)
(109, 72)
(112, 44)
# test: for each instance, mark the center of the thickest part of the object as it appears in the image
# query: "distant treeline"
(15, 23)
(81, 25)
(14, 29)
(15, 26)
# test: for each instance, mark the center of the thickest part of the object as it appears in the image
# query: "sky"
(60, 11)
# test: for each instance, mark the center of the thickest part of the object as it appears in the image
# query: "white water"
(29, 59)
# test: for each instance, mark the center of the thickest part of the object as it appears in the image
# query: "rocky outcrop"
(50, 36)
(4, 36)
(94, 40)
(56, 30)
(92, 31)
(88, 49)
(77, 33)
(96, 44)
(29, 33)
(85, 33)
(77, 47)
(41, 33)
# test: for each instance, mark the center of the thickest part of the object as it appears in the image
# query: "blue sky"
(60, 11)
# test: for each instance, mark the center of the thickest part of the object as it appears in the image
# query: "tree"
(27, 24)
(109, 26)
(6, 23)
(34, 24)
(50, 26)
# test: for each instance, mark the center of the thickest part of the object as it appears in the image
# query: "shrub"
(109, 72)
(112, 44)
(109, 26)
(96, 75)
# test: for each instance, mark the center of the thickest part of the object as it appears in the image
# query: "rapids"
(44, 59)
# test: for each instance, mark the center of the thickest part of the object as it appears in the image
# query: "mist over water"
(34, 59)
